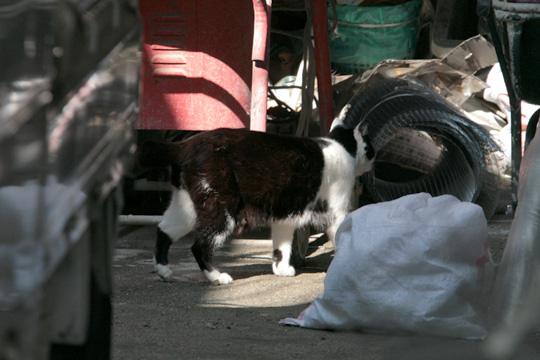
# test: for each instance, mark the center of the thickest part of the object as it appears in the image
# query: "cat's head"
(365, 153)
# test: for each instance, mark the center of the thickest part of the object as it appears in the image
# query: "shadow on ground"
(190, 319)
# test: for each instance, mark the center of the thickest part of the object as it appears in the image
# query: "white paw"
(164, 271)
(217, 277)
(225, 279)
(283, 269)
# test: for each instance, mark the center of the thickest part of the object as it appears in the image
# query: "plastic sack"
(514, 308)
(367, 35)
(408, 265)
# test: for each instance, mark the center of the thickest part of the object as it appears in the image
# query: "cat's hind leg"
(178, 220)
(211, 232)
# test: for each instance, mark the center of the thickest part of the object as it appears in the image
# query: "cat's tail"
(159, 154)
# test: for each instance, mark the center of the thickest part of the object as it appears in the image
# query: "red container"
(196, 68)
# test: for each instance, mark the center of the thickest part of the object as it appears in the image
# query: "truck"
(68, 103)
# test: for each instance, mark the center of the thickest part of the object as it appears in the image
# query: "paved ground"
(190, 319)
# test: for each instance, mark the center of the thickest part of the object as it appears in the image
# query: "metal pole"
(259, 82)
(514, 30)
(139, 220)
(322, 64)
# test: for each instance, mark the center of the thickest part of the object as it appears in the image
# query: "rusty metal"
(259, 80)
(322, 63)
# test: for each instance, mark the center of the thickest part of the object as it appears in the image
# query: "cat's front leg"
(332, 228)
(282, 238)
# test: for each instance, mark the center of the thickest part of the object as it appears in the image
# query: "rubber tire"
(300, 247)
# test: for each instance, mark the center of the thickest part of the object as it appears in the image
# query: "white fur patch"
(338, 179)
(220, 278)
(338, 121)
(180, 217)
(220, 238)
(281, 269)
(205, 186)
(163, 271)
(363, 164)
(337, 182)
(282, 238)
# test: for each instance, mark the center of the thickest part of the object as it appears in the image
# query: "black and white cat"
(229, 179)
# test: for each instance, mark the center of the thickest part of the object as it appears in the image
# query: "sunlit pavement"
(188, 318)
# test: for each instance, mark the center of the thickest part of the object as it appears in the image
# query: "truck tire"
(98, 340)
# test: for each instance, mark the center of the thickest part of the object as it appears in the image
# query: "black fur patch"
(163, 243)
(176, 176)
(274, 176)
(321, 206)
(156, 154)
(370, 152)
(278, 256)
(345, 137)
(200, 256)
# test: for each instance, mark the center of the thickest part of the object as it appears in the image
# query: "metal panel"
(196, 69)
(25, 78)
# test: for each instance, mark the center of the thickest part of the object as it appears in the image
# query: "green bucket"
(367, 35)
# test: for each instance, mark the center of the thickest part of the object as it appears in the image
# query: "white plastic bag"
(407, 265)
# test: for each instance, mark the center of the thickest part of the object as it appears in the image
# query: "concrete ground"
(188, 318)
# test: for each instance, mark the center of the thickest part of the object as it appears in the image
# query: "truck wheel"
(98, 340)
